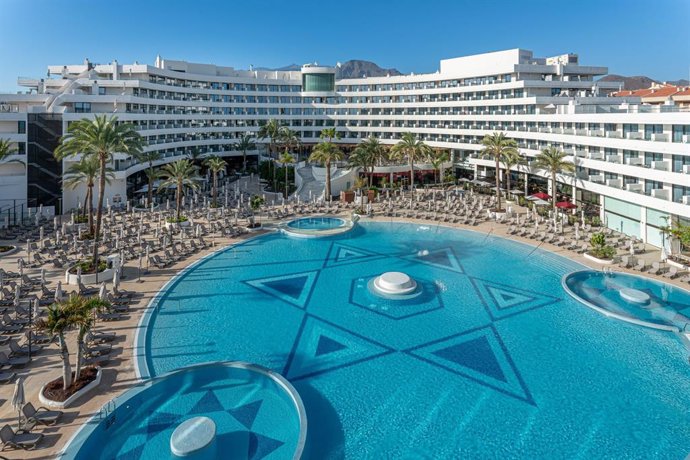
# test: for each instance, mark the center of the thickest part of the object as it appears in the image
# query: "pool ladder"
(106, 410)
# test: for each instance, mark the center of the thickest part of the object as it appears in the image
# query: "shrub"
(599, 248)
(175, 220)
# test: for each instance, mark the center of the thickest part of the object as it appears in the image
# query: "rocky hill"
(640, 81)
(350, 69)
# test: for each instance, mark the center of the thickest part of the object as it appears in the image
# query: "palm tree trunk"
(99, 210)
(80, 345)
(66, 367)
(244, 161)
(149, 198)
(178, 199)
(86, 203)
(90, 210)
(328, 181)
(286, 180)
(411, 174)
(215, 187)
(371, 177)
(498, 187)
(553, 189)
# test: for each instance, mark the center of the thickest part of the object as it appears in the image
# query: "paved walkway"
(119, 375)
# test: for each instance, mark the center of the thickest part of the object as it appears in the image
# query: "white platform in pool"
(634, 296)
(194, 439)
(395, 283)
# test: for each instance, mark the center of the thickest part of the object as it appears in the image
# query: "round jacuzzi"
(317, 226)
(241, 410)
(631, 298)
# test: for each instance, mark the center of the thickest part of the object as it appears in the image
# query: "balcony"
(597, 178)
(636, 188)
(661, 165)
(686, 169)
(635, 161)
(660, 137)
(660, 193)
(595, 156)
(633, 135)
(616, 183)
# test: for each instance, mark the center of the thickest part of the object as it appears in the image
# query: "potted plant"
(255, 203)
(75, 312)
(599, 251)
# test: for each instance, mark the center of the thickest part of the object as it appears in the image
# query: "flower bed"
(53, 395)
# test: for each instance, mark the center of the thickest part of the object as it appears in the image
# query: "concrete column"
(643, 223)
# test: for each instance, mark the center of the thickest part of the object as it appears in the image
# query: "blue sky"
(631, 37)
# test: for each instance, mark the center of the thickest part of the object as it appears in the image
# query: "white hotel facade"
(633, 160)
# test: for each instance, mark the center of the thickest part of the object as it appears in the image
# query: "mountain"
(357, 68)
(640, 81)
(353, 68)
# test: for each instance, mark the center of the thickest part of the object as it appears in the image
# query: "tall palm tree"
(496, 147)
(553, 161)
(437, 159)
(180, 174)
(271, 130)
(512, 158)
(329, 134)
(411, 149)
(326, 153)
(215, 165)
(6, 150)
(85, 172)
(151, 174)
(245, 143)
(286, 159)
(59, 321)
(367, 154)
(101, 138)
(82, 310)
(194, 155)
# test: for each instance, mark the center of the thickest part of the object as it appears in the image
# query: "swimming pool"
(632, 298)
(316, 223)
(256, 412)
(494, 360)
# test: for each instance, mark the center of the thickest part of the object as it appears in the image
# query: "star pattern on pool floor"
(440, 258)
(293, 288)
(502, 301)
(257, 443)
(343, 254)
(322, 347)
(479, 355)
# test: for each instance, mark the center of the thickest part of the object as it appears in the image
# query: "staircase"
(309, 184)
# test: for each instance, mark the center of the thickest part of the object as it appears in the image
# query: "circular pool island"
(317, 226)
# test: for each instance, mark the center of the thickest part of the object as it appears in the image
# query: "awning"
(566, 205)
(540, 196)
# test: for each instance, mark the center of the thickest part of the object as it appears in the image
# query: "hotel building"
(633, 159)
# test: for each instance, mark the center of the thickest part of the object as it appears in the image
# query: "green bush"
(599, 248)
(81, 219)
(256, 202)
(87, 266)
(175, 220)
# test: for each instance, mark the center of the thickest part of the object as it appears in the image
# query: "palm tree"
(101, 138)
(553, 161)
(216, 165)
(411, 149)
(325, 153)
(6, 151)
(329, 134)
(286, 159)
(496, 147)
(151, 174)
(194, 155)
(83, 311)
(58, 322)
(180, 174)
(271, 130)
(437, 159)
(513, 158)
(245, 143)
(85, 171)
(367, 154)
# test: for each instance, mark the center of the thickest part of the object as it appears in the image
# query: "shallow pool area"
(256, 414)
(317, 227)
(492, 358)
(635, 299)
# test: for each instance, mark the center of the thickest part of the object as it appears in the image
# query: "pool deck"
(119, 374)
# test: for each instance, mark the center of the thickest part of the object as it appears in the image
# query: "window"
(82, 107)
(21, 127)
(101, 91)
(679, 131)
(652, 129)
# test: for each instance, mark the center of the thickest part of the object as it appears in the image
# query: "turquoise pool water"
(316, 223)
(664, 305)
(494, 360)
(255, 415)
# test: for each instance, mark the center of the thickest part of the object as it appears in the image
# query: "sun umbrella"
(17, 295)
(43, 276)
(664, 255)
(40, 235)
(18, 400)
(540, 202)
(78, 274)
(116, 278)
(28, 250)
(539, 196)
(102, 291)
(566, 205)
(58, 291)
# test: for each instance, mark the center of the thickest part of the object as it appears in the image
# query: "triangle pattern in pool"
(442, 258)
(160, 421)
(502, 301)
(293, 288)
(207, 403)
(478, 355)
(246, 414)
(322, 347)
(261, 446)
(341, 254)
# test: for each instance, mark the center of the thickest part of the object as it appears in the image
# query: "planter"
(105, 275)
(11, 251)
(347, 197)
(597, 260)
(67, 402)
(673, 263)
(145, 209)
(257, 228)
(185, 224)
